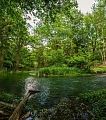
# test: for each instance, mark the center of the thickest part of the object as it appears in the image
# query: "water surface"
(52, 88)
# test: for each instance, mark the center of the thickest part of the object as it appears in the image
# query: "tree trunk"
(104, 45)
(1, 58)
(17, 60)
(17, 112)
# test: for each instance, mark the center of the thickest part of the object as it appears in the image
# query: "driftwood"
(17, 112)
(7, 105)
(4, 113)
(25, 116)
(5, 109)
(3, 118)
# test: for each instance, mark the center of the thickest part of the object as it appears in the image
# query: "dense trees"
(13, 36)
(63, 37)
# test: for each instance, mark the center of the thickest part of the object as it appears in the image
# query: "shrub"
(6, 97)
(97, 101)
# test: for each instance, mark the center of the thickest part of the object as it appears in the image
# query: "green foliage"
(56, 57)
(96, 63)
(79, 61)
(44, 8)
(97, 101)
(68, 37)
(6, 97)
(59, 71)
(99, 69)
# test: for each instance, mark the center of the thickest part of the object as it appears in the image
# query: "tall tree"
(99, 12)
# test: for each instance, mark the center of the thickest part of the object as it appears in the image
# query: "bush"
(6, 97)
(79, 62)
(97, 101)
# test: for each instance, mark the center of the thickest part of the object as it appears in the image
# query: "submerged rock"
(67, 109)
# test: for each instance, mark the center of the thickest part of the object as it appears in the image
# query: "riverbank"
(99, 69)
(61, 71)
(69, 71)
(53, 89)
(90, 105)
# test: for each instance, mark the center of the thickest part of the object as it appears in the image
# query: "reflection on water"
(44, 92)
(52, 88)
(30, 84)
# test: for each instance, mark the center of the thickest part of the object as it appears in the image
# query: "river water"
(52, 88)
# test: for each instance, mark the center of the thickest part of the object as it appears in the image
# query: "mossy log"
(17, 112)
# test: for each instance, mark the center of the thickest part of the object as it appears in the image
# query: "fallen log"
(4, 113)
(7, 104)
(3, 118)
(17, 112)
(5, 109)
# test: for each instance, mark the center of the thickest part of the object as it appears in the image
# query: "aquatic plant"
(59, 71)
(67, 109)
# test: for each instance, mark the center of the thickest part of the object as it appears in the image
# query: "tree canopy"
(63, 37)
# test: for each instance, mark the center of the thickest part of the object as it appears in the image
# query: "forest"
(63, 37)
(62, 57)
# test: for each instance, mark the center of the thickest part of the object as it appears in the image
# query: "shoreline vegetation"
(65, 42)
(90, 105)
(68, 71)
(62, 71)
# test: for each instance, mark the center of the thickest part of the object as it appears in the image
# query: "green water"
(52, 88)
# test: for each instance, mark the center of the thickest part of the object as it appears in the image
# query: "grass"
(60, 71)
(99, 69)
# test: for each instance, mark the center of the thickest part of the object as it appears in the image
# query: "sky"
(85, 5)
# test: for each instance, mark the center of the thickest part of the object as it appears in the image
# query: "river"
(52, 88)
